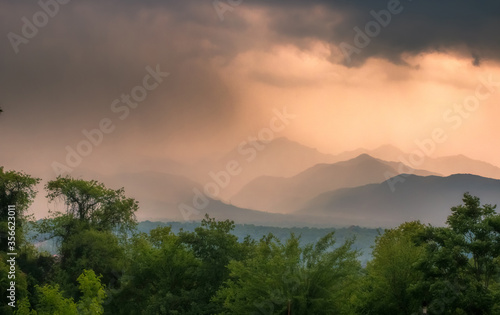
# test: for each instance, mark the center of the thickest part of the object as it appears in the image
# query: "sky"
(209, 74)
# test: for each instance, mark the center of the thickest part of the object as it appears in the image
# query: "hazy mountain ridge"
(160, 193)
(281, 157)
(289, 194)
(285, 158)
(461, 164)
(428, 199)
(445, 165)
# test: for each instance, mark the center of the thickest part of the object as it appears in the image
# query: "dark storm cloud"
(65, 78)
(470, 27)
(97, 49)
(111, 41)
(91, 52)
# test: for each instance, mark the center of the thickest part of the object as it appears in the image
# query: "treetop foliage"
(92, 205)
(105, 266)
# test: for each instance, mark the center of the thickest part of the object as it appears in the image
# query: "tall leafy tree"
(87, 228)
(462, 262)
(100, 251)
(288, 279)
(388, 287)
(477, 230)
(162, 277)
(18, 189)
(89, 204)
(214, 246)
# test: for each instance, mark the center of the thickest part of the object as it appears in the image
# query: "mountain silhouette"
(285, 195)
(428, 199)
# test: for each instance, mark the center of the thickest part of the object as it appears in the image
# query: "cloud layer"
(227, 76)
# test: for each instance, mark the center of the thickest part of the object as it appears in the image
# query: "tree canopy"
(17, 189)
(462, 264)
(105, 266)
(89, 205)
(282, 278)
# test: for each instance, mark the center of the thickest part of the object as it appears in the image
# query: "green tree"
(89, 204)
(20, 280)
(477, 231)
(162, 277)
(87, 230)
(18, 189)
(100, 251)
(39, 267)
(280, 278)
(388, 287)
(93, 294)
(462, 264)
(51, 300)
(24, 308)
(214, 245)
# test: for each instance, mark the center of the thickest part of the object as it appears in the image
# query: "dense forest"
(105, 264)
(364, 238)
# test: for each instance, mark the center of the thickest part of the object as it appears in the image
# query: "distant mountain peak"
(425, 198)
(288, 142)
(364, 157)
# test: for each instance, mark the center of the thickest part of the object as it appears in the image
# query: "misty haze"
(249, 157)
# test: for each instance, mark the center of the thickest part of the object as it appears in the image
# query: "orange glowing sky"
(226, 77)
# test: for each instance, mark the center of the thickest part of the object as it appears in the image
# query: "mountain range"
(285, 195)
(281, 157)
(425, 198)
(283, 183)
